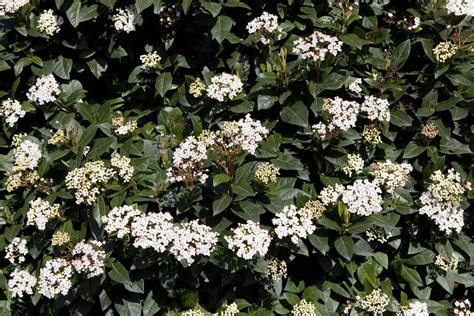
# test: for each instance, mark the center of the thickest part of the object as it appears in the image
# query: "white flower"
(21, 282)
(152, 230)
(416, 308)
(122, 127)
(342, 115)
(27, 155)
(445, 264)
(304, 308)
(355, 86)
(363, 198)
(49, 23)
(192, 239)
(444, 51)
(249, 240)
(118, 220)
(378, 234)
(197, 88)
(44, 90)
(151, 59)
(376, 109)
(55, 278)
(264, 25)
(11, 6)
(355, 164)
(375, 302)
(89, 257)
(391, 175)
(241, 135)
(267, 173)
(294, 223)
(224, 86)
(460, 7)
(329, 195)
(127, 19)
(125, 169)
(463, 308)
(87, 181)
(416, 24)
(441, 201)
(40, 212)
(316, 46)
(11, 111)
(188, 161)
(16, 251)
(230, 310)
(277, 269)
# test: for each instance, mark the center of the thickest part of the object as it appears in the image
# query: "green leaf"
(400, 54)
(163, 83)
(109, 3)
(77, 14)
(452, 146)
(222, 28)
(413, 150)
(354, 41)
(87, 136)
(411, 275)
(119, 273)
(143, 4)
(423, 258)
(221, 204)
(266, 102)
(96, 67)
(296, 114)
(150, 306)
(242, 189)
(62, 67)
(185, 5)
(345, 247)
(4, 65)
(400, 118)
(320, 243)
(213, 7)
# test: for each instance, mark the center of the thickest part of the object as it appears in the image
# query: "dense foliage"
(267, 157)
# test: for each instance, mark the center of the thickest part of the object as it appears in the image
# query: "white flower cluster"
(55, 278)
(224, 86)
(192, 239)
(304, 308)
(378, 234)
(316, 46)
(375, 302)
(45, 90)
(87, 180)
(264, 25)
(342, 115)
(416, 24)
(11, 6)
(122, 127)
(27, 155)
(463, 308)
(442, 199)
(416, 308)
(188, 161)
(60, 238)
(127, 19)
(446, 265)
(230, 310)
(355, 164)
(460, 7)
(197, 88)
(49, 23)
(21, 282)
(151, 59)
(329, 195)
(16, 251)
(294, 223)
(152, 230)
(40, 212)
(124, 167)
(277, 269)
(243, 134)
(376, 109)
(444, 51)
(249, 240)
(118, 220)
(363, 198)
(11, 111)
(267, 173)
(89, 257)
(391, 175)
(356, 86)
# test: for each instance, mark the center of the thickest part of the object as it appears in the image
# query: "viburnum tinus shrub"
(220, 157)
